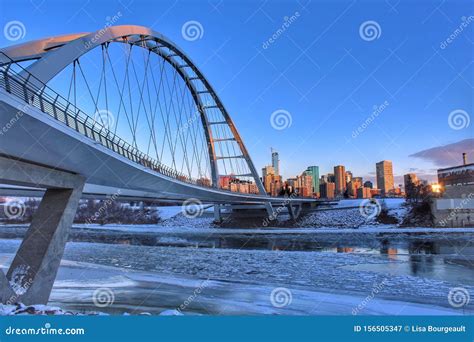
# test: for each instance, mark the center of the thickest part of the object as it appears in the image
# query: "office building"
(384, 171)
(375, 193)
(276, 162)
(353, 185)
(271, 181)
(348, 176)
(304, 185)
(331, 178)
(327, 190)
(456, 206)
(364, 192)
(313, 171)
(340, 180)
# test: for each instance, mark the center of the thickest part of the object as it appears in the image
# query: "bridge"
(119, 112)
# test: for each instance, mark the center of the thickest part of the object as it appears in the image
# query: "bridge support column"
(6, 293)
(217, 213)
(294, 211)
(272, 215)
(31, 275)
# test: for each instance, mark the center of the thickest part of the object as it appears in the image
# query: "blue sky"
(319, 69)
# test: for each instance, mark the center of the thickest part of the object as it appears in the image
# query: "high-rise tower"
(384, 170)
(276, 162)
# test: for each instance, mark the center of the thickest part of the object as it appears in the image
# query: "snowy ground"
(323, 266)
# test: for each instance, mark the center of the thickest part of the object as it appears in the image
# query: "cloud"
(448, 155)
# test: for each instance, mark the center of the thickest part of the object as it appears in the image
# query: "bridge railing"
(53, 104)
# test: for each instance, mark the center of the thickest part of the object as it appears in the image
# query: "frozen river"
(325, 271)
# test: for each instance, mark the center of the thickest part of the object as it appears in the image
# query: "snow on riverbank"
(160, 229)
(391, 203)
(343, 217)
(345, 214)
(322, 230)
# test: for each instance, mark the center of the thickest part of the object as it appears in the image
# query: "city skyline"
(396, 180)
(443, 156)
(341, 90)
(343, 183)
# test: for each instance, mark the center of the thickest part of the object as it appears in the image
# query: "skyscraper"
(363, 192)
(267, 177)
(276, 162)
(331, 178)
(354, 185)
(313, 171)
(384, 170)
(271, 181)
(268, 170)
(348, 176)
(340, 179)
(327, 190)
(304, 185)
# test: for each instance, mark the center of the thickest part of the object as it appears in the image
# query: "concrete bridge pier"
(6, 291)
(217, 213)
(294, 210)
(33, 270)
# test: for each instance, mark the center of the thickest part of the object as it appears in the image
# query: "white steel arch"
(52, 55)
